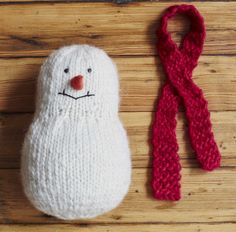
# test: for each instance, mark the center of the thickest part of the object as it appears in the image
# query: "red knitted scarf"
(179, 88)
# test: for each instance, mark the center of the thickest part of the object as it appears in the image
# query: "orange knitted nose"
(77, 82)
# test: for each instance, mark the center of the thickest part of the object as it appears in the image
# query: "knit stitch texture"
(178, 65)
(76, 159)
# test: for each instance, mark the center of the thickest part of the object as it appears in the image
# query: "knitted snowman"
(76, 158)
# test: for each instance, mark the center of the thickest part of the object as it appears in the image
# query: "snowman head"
(79, 79)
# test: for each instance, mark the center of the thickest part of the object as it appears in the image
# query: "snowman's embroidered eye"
(66, 70)
(89, 70)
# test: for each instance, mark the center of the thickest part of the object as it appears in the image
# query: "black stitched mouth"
(76, 98)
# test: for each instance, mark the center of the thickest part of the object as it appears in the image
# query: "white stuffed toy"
(76, 159)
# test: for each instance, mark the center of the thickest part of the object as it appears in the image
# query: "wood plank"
(140, 77)
(36, 29)
(193, 227)
(14, 126)
(206, 198)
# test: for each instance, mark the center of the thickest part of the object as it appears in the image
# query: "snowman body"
(76, 158)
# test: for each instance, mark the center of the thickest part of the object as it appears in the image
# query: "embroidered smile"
(76, 98)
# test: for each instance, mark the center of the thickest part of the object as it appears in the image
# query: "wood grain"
(193, 227)
(14, 126)
(141, 79)
(206, 198)
(120, 30)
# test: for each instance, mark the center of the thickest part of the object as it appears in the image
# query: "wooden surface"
(29, 31)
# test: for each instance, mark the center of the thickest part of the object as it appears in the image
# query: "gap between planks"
(118, 2)
(144, 227)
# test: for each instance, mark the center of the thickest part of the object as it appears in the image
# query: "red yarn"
(178, 65)
(77, 82)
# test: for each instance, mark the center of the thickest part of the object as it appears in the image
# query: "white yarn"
(76, 158)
